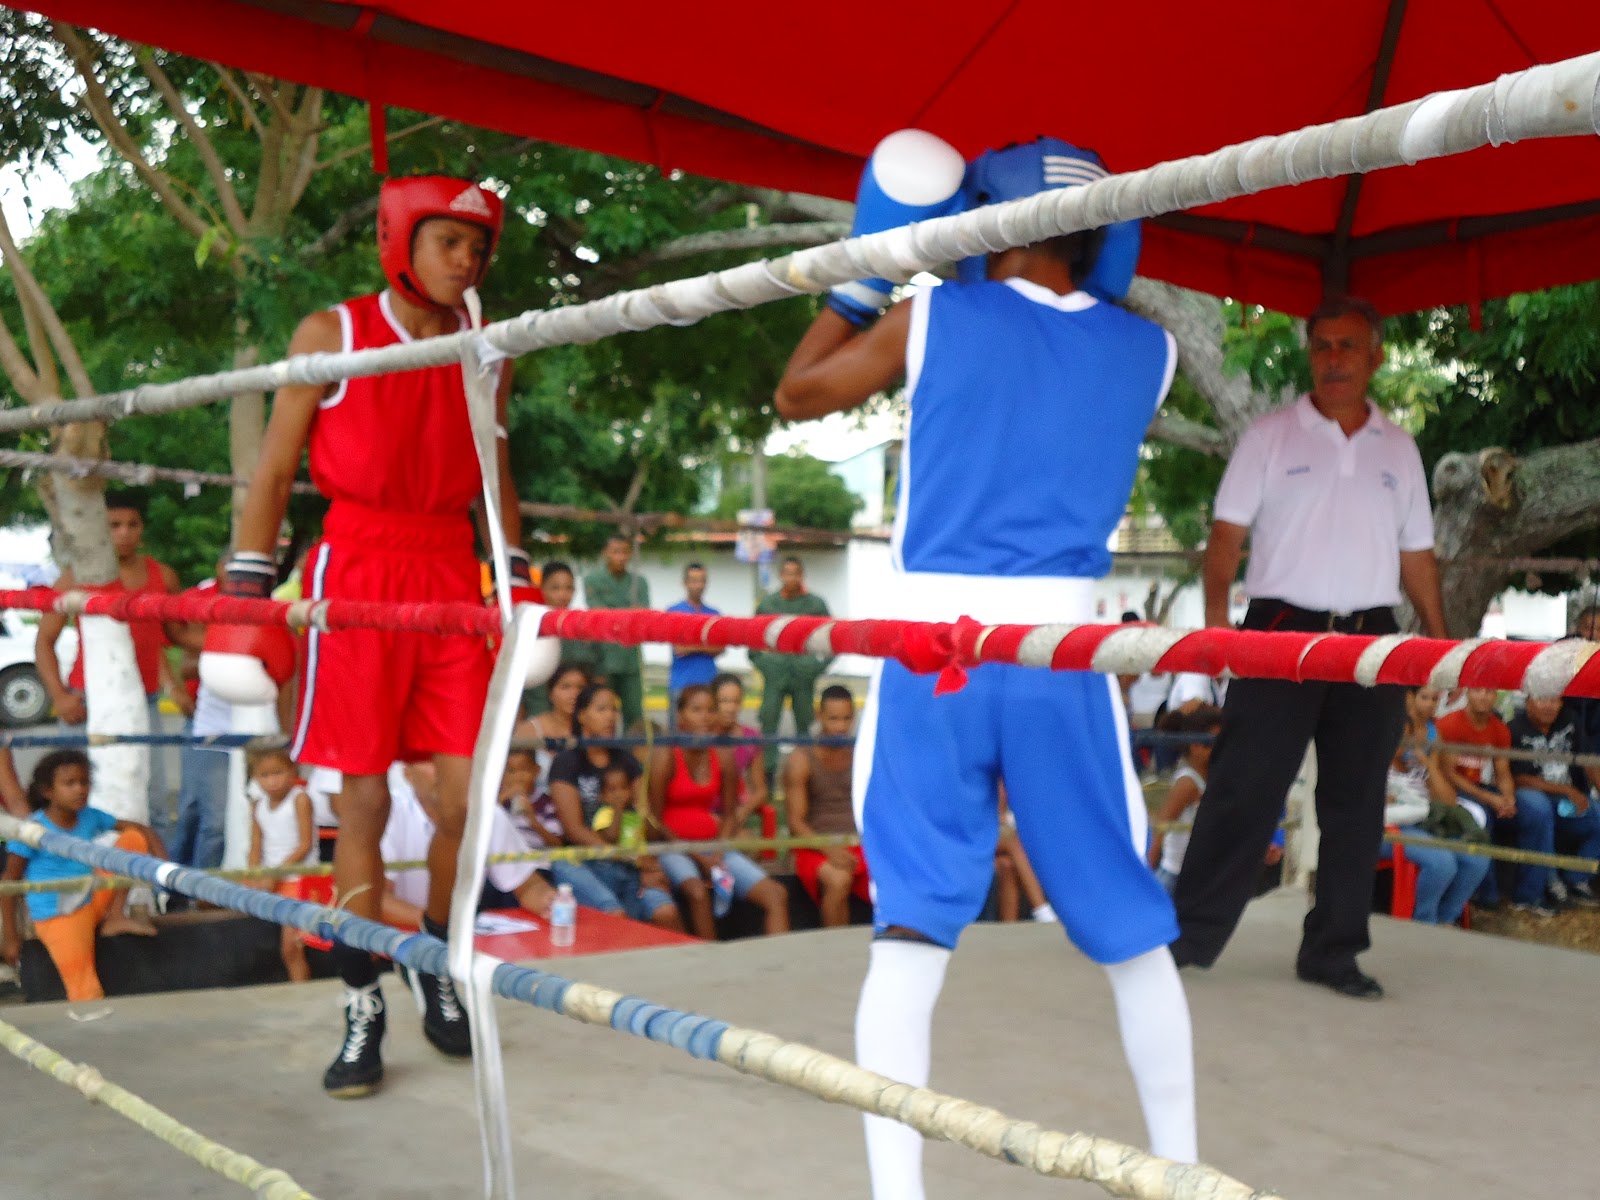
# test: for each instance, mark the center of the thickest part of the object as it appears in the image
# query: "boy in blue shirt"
(691, 664)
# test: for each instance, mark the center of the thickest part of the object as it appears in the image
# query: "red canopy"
(793, 95)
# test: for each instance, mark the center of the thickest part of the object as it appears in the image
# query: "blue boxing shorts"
(926, 770)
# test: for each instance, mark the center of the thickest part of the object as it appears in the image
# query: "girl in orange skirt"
(67, 922)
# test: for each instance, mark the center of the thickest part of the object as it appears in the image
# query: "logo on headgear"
(471, 201)
(1062, 171)
(1109, 256)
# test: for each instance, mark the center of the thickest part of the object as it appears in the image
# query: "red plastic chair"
(1403, 895)
(769, 829)
(314, 889)
(1403, 891)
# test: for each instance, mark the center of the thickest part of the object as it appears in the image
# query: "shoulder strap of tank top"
(154, 580)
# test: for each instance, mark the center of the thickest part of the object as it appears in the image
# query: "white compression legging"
(894, 1035)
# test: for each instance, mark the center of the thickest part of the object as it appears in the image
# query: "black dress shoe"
(1353, 982)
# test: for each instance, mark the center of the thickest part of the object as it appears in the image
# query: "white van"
(23, 700)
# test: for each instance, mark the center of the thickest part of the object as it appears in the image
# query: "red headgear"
(404, 204)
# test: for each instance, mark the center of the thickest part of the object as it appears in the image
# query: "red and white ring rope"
(1538, 668)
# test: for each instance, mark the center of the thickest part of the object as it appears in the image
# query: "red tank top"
(690, 806)
(148, 636)
(400, 443)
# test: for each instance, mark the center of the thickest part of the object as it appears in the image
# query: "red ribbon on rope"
(947, 649)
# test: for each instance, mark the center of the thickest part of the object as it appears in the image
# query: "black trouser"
(1267, 724)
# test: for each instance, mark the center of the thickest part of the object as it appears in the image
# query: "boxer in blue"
(1029, 395)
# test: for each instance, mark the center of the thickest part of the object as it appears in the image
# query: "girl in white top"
(282, 831)
(1183, 799)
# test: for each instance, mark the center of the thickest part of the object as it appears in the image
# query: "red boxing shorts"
(808, 862)
(371, 697)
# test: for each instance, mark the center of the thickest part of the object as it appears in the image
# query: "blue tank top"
(1028, 409)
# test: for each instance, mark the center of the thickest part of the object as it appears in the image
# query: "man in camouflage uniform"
(614, 586)
(791, 676)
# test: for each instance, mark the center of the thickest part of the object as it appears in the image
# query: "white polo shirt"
(1328, 514)
(1187, 686)
(406, 838)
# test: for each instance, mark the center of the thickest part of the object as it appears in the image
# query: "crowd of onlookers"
(1455, 776)
(583, 796)
(1446, 782)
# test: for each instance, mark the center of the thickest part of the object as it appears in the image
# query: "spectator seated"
(688, 791)
(1556, 797)
(1483, 786)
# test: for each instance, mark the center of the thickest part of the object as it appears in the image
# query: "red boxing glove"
(523, 589)
(246, 664)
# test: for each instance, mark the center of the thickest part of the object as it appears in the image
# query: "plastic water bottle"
(563, 917)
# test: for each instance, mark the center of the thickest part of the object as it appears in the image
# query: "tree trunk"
(1195, 322)
(1493, 503)
(113, 689)
(247, 420)
(81, 540)
(1158, 608)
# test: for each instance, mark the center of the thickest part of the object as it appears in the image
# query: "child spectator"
(1555, 796)
(1482, 784)
(728, 691)
(282, 831)
(67, 922)
(585, 780)
(688, 789)
(532, 811)
(413, 815)
(1420, 800)
(1015, 878)
(1188, 785)
(1187, 692)
(817, 791)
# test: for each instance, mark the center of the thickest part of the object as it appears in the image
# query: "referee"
(1332, 497)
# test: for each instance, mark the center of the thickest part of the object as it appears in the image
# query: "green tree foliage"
(633, 422)
(1179, 483)
(801, 490)
(1176, 482)
(1523, 380)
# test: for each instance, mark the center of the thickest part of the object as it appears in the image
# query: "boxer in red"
(395, 455)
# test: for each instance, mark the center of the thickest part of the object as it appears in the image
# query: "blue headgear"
(1024, 169)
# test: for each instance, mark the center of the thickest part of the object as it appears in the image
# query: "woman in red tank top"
(694, 796)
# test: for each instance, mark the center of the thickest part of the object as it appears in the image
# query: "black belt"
(1280, 615)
